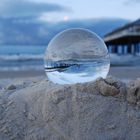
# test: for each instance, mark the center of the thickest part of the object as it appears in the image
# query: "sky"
(79, 9)
(65, 10)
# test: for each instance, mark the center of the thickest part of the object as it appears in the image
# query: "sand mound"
(40, 110)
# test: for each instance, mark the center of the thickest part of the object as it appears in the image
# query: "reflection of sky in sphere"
(76, 44)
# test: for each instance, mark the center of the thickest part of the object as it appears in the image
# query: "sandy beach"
(90, 51)
(33, 108)
(36, 109)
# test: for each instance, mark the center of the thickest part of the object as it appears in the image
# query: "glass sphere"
(76, 56)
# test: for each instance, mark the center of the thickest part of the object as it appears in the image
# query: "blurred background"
(27, 26)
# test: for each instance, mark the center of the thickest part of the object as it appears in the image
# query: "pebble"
(11, 87)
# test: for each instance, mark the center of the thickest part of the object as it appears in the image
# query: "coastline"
(127, 72)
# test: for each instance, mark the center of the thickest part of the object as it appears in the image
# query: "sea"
(18, 58)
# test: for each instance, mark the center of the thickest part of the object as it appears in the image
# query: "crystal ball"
(76, 56)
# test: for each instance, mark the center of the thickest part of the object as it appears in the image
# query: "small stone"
(31, 117)
(133, 92)
(11, 87)
(113, 126)
(107, 89)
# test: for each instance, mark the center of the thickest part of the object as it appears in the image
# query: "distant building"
(124, 40)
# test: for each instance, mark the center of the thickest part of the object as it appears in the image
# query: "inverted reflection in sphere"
(76, 56)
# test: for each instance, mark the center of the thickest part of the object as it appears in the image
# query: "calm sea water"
(21, 57)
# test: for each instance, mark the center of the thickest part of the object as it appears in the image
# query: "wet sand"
(21, 74)
(119, 72)
(125, 72)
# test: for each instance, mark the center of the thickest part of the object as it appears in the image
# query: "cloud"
(130, 2)
(39, 33)
(23, 8)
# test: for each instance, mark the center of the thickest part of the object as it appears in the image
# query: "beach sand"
(33, 108)
(36, 109)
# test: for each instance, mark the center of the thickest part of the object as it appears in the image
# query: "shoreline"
(129, 73)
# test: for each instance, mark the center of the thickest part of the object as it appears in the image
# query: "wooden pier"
(124, 40)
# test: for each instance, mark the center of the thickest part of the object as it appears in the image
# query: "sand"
(36, 109)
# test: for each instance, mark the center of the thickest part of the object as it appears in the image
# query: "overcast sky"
(64, 10)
